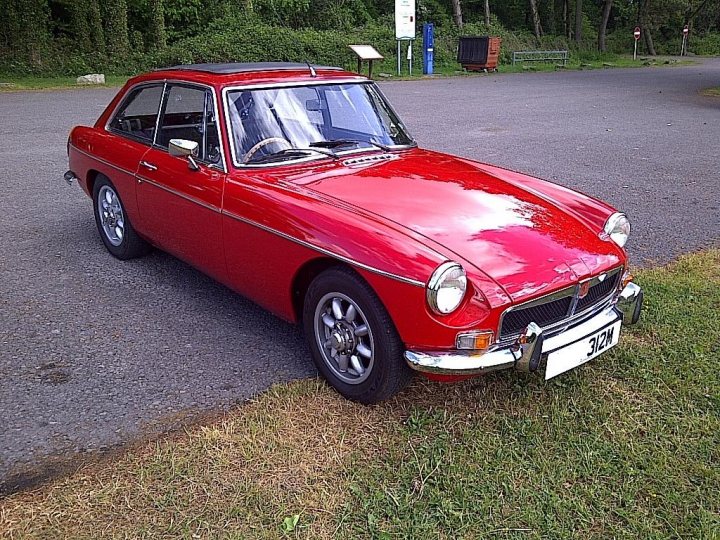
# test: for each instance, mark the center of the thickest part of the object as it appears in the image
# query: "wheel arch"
(91, 178)
(304, 276)
(309, 271)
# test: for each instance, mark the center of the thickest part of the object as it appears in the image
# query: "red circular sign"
(636, 33)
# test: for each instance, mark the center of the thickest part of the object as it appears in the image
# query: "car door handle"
(148, 166)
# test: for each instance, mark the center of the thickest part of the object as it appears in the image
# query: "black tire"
(129, 245)
(388, 373)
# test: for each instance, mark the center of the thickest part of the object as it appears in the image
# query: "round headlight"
(617, 227)
(446, 288)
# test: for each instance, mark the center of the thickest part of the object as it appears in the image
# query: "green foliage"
(97, 35)
(156, 33)
(60, 37)
(708, 44)
(116, 28)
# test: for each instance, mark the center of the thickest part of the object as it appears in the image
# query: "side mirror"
(185, 148)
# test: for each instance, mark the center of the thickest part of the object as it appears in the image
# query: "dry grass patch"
(711, 92)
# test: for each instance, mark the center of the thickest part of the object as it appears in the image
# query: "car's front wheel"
(353, 341)
(113, 223)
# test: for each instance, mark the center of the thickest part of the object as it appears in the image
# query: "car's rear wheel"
(353, 341)
(113, 223)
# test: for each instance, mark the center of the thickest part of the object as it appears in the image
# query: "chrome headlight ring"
(446, 288)
(617, 227)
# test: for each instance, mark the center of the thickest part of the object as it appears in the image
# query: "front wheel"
(353, 341)
(113, 224)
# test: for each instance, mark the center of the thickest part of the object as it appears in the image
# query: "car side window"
(189, 114)
(137, 115)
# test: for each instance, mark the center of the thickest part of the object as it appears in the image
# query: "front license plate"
(584, 350)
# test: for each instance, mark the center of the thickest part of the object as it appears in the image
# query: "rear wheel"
(352, 339)
(113, 223)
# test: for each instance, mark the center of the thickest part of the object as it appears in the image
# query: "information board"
(404, 19)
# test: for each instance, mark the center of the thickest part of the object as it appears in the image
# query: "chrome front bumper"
(526, 353)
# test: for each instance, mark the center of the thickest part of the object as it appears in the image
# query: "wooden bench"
(540, 56)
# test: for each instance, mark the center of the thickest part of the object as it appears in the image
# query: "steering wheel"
(270, 140)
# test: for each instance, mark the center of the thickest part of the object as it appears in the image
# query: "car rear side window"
(137, 116)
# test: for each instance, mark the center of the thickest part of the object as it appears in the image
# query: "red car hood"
(528, 244)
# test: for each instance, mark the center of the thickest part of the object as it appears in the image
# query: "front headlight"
(617, 227)
(446, 288)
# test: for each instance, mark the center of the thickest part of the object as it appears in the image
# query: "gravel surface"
(95, 353)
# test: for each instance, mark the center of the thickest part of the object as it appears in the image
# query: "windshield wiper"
(290, 152)
(334, 143)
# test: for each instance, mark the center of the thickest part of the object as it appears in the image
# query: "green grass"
(15, 83)
(625, 447)
(712, 92)
(575, 62)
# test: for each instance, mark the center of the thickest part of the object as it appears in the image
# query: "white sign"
(404, 19)
(366, 52)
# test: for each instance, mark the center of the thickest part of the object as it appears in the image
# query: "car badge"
(584, 289)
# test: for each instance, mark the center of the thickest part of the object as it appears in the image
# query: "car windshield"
(279, 124)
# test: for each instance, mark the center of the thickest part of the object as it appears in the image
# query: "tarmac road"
(95, 353)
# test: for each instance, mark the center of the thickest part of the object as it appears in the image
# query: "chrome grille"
(598, 291)
(543, 314)
(561, 308)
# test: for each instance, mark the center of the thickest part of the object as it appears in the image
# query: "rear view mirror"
(185, 148)
(314, 105)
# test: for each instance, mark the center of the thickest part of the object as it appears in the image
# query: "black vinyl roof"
(245, 67)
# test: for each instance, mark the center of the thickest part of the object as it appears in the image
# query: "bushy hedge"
(235, 39)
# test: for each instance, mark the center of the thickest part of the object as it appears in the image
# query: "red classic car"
(300, 188)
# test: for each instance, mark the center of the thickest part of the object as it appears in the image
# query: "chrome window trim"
(324, 251)
(223, 166)
(571, 316)
(295, 84)
(191, 84)
(159, 114)
(124, 134)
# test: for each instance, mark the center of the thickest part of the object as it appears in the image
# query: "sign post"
(683, 47)
(404, 28)
(636, 35)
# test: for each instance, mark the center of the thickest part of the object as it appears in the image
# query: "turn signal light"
(474, 341)
(627, 278)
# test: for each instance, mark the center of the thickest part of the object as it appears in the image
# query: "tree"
(95, 26)
(156, 31)
(487, 13)
(457, 13)
(25, 28)
(116, 28)
(537, 28)
(607, 6)
(644, 22)
(80, 24)
(578, 21)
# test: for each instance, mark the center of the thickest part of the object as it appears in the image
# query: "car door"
(180, 203)
(130, 133)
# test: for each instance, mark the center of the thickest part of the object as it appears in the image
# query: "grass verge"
(10, 83)
(712, 92)
(14, 83)
(625, 447)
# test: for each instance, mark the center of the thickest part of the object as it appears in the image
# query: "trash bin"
(479, 53)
